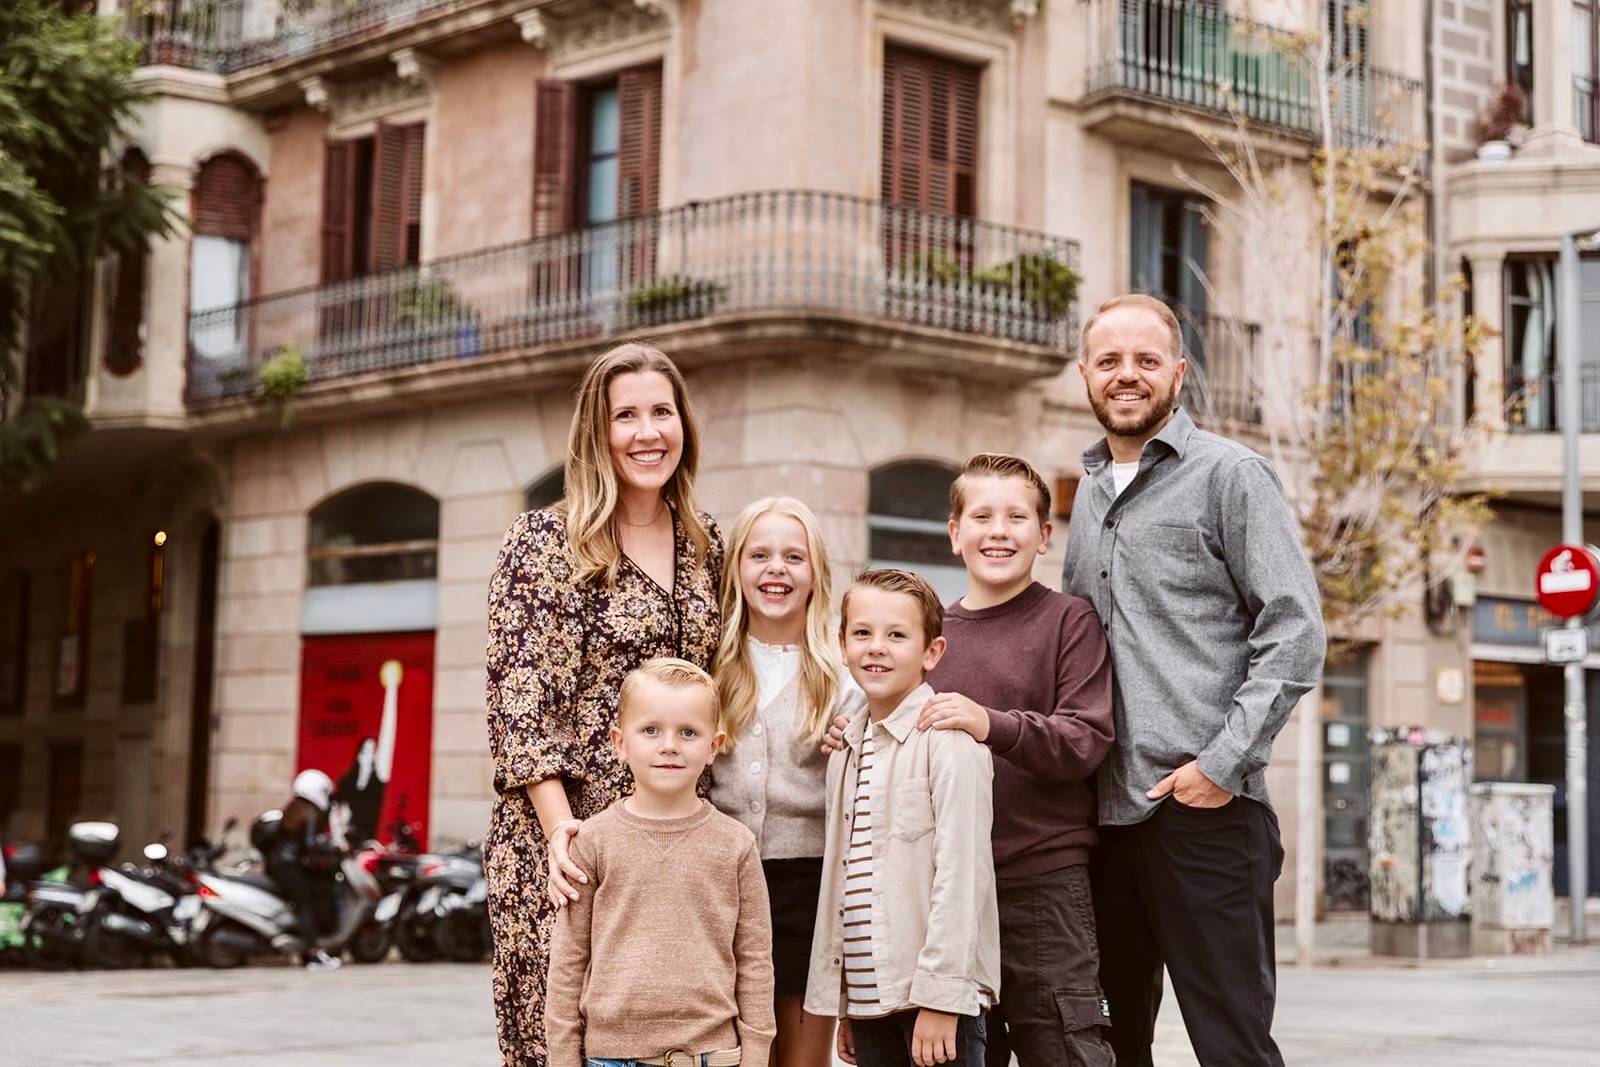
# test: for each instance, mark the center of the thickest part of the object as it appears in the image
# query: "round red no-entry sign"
(1569, 581)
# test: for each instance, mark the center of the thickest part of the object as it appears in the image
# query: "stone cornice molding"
(415, 67)
(977, 14)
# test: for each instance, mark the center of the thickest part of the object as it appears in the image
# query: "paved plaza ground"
(1539, 1012)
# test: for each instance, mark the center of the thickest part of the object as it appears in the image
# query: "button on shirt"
(1209, 605)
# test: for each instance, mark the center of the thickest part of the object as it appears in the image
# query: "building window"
(224, 219)
(374, 533)
(546, 491)
(73, 650)
(15, 595)
(125, 330)
(1170, 249)
(1585, 63)
(930, 133)
(1531, 341)
(372, 202)
(1519, 52)
(1345, 762)
(908, 514)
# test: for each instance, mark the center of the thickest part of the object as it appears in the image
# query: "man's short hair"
(672, 672)
(998, 465)
(1156, 307)
(893, 580)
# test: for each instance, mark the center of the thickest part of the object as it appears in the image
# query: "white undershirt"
(1122, 474)
(774, 665)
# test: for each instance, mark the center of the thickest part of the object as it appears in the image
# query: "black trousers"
(1050, 1013)
(886, 1041)
(1191, 888)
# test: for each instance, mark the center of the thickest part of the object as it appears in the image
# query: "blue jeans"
(886, 1042)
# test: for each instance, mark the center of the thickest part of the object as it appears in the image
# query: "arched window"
(374, 533)
(125, 331)
(908, 512)
(226, 210)
(546, 491)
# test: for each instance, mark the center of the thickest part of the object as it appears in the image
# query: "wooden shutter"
(338, 211)
(639, 142)
(554, 136)
(930, 133)
(227, 198)
(386, 234)
(411, 195)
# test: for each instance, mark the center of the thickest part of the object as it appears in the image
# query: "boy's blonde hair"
(894, 580)
(999, 465)
(819, 659)
(672, 672)
(591, 476)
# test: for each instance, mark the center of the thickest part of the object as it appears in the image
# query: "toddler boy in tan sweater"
(665, 958)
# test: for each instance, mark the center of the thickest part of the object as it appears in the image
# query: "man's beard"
(1136, 426)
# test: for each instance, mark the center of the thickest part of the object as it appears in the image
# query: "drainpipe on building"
(1568, 294)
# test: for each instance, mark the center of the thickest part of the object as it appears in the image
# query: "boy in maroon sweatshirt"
(1028, 674)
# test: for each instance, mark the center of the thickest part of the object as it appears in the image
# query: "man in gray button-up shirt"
(1186, 546)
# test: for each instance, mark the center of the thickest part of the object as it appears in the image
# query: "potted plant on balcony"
(1037, 285)
(428, 310)
(280, 379)
(673, 298)
(1500, 125)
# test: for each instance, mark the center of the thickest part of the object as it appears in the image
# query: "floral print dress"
(557, 654)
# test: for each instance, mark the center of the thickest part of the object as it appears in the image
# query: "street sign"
(1562, 645)
(1568, 581)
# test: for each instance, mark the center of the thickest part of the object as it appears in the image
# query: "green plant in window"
(428, 302)
(280, 379)
(1048, 284)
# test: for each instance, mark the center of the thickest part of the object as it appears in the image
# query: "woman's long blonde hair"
(591, 475)
(819, 659)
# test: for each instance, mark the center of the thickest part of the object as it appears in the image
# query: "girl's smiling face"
(775, 574)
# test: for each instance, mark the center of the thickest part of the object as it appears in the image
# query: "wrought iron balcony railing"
(785, 251)
(230, 35)
(1533, 401)
(1223, 380)
(1194, 53)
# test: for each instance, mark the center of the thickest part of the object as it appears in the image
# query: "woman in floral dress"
(624, 569)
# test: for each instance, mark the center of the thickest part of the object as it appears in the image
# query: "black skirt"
(793, 887)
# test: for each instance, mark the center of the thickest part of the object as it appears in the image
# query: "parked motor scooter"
(247, 914)
(394, 866)
(136, 911)
(58, 905)
(441, 878)
(461, 931)
(24, 863)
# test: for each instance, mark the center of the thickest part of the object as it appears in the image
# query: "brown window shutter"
(124, 340)
(930, 133)
(338, 207)
(554, 137)
(411, 195)
(386, 235)
(227, 198)
(639, 142)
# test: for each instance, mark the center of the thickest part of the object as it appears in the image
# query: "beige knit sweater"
(669, 946)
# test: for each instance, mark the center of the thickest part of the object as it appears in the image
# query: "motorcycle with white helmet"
(284, 907)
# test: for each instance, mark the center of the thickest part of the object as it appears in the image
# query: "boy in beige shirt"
(665, 958)
(907, 945)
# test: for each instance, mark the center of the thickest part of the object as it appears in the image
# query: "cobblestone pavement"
(1542, 1012)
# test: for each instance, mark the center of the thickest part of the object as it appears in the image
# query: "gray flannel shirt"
(1209, 605)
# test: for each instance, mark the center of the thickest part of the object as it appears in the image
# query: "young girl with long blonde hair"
(780, 683)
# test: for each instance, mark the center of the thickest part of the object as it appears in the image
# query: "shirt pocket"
(1158, 570)
(912, 814)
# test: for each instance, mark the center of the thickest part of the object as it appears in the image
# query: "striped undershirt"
(860, 979)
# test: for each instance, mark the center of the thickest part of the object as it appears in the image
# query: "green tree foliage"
(67, 98)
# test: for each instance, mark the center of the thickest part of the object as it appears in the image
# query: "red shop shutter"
(639, 142)
(227, 197)
(338, 209)
(554, 130)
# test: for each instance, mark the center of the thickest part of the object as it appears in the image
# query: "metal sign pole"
(1572, 533)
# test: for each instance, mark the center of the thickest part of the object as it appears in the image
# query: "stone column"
(1488, 306)
(1554, 128)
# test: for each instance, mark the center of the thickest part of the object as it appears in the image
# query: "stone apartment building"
(852, 221)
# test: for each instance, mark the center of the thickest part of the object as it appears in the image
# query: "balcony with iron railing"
(1223, 380)
(1194, 54)
(954, 284)
(1533, 401)
(231, 35)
